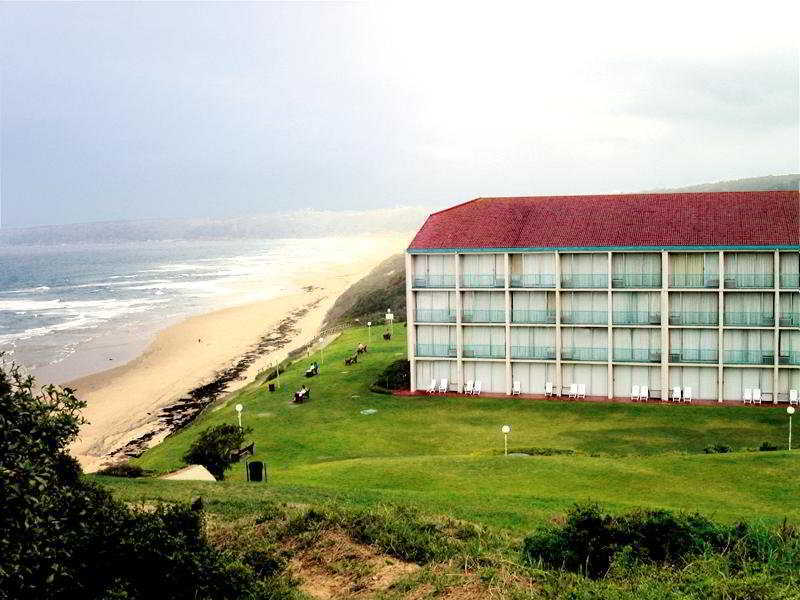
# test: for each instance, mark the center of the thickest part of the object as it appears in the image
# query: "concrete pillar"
(776, 311)
(411, 329)
(509, 374)
(610, 344)
(720, 330)
(665, 325)
(558, 382)
(459, 328)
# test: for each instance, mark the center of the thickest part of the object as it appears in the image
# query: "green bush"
(214, 447)
(63, 538)
(717, 449)
(767, 447)
(397, 376)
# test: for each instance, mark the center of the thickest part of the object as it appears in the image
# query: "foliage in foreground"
(214, 448)
(65, 538)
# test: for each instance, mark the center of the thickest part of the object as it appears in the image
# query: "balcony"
(442, 350)
(693, 355)
(538, 280)
(484, 351)
(643, 355)
(471, 280)
(590, 354)
(749, 280)
(694, 317)
(533, 316)
(693, 280)
(790, 280)
(636, 317)
(533, 352)
(749, 319)
(435, 315)
(435, 281)
(482, 315)
(790, 319)
(636, 280)
(585, 317)
(791, 357)
(749, 357)
(585, 280)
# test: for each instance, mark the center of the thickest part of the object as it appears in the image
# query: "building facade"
(667, 290)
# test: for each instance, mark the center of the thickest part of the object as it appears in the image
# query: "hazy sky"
(120, 111)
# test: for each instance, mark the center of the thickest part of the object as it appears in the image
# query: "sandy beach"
(124, 403)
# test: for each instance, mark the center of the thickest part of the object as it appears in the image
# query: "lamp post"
(321, 351)
(369, 332)
(506, 429)
(390, 319)
(278, 372)
(239, 409)
(790, 411)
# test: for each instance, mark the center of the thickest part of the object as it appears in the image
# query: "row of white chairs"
(681, 395)
(472, 388)
(752, 396)
(640, 393)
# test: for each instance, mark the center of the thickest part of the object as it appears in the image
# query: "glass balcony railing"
(790, 280)
(533, 316)
(533, 352)
(435, 281)
(585, 317)
(694, 280)
(636, 317)
(647, 355)
(790, 319)
(482, 315)
(749, 319)
(484, 351)
(436, 350)
(435, 315)
(471, 280)
(597, 354)
(636, 280)
(693, 355)
(749, 280)
(749, 357)
(789, 357)
(694, 317)
(537, 280)
(585, 280)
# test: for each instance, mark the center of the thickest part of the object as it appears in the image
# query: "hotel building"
(664, 290)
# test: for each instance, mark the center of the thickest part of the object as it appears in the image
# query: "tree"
(215, 447)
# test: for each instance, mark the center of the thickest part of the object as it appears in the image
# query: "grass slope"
(442, 454)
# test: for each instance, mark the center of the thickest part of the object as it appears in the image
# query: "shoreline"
(191, 364)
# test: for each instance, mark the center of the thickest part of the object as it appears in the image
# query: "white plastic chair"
(581, 390)
(747, 397)
(477, 390)
(635, 393)
(573, 390)
(432, 388)
(516, 389)
(443, 386)
(793, 397)
(687, 394)
(645, 395)
(468, 388)
(548, 388)
(676, 394)
(756, 396)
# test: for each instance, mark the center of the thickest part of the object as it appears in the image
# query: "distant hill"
(367, 299)
(750, 184)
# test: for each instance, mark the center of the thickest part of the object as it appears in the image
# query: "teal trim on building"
(597, 249)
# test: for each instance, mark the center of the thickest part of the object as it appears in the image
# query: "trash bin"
(256, 471)
(271, 387)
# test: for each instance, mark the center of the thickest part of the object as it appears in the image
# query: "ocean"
(74, 309)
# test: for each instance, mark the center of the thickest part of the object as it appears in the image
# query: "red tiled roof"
(696, 219)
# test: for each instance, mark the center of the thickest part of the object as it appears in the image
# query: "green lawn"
(443, 454)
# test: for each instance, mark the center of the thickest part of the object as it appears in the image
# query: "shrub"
(214, 447)
(124, 469)
(397, 376)
(717, 449)
(767, 447)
